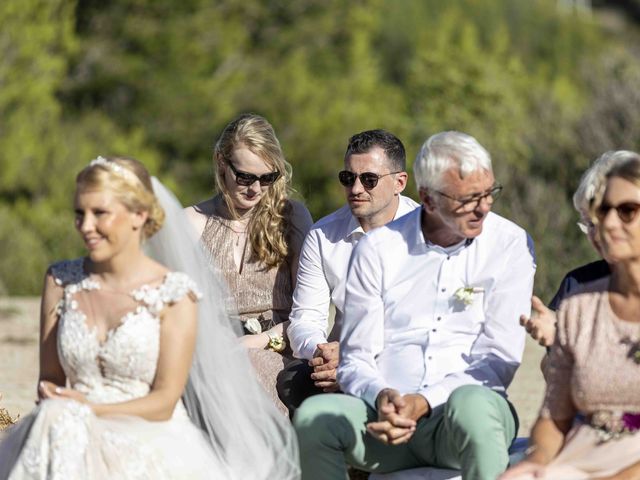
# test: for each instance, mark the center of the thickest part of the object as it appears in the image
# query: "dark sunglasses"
(368, 180)
(245, 179)
(626, 211)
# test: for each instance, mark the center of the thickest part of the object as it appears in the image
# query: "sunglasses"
(245, 179)
(368, 180)
(626, 211)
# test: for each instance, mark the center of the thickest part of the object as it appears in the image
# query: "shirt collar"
(421, 242)
(354, 225)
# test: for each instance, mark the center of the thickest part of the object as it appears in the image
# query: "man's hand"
(397, 416)
(542, 324)
(325, 364)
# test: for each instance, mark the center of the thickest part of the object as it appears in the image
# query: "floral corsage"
(466, 294)
(253, 326)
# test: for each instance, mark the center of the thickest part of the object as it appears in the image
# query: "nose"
(255, 186)
(484, 204)
(357, 187)
(611, 219)
(85, 223)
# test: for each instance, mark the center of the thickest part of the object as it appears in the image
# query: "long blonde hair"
(270, 219)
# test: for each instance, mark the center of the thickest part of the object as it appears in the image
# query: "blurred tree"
(546, 90)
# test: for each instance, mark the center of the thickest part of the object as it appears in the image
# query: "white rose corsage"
(465, 294)
(252, 325)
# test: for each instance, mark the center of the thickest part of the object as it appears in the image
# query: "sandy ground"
(19, 364)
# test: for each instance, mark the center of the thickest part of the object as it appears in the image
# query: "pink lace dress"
(594, 368)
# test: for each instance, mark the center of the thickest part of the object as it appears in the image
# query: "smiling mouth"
(92, 243)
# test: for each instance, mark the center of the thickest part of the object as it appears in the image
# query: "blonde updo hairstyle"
(270, 219)
(130, 182)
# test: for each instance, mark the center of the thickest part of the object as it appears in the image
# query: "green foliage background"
(546, 89)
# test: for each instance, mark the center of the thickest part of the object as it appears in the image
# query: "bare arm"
(632, 472)
(50, 368)
(547, 438)
(177, 342)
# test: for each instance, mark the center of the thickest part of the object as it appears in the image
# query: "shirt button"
(439, 318)
(434, 330)
(448, 257)
(430, 357)
(444, 289)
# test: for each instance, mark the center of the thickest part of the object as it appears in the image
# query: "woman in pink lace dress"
(253, 233)
(594, 364)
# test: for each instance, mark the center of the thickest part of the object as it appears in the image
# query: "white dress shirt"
(322, 272)
(403, 326)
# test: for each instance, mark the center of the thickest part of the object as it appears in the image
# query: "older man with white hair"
(431, 338)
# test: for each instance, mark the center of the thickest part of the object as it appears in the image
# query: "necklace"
(238, 233)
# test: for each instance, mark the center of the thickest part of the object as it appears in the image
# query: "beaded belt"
(611, 425)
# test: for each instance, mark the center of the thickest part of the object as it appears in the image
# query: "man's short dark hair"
(393, 148)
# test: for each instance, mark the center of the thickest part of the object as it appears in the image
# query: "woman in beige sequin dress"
(594, 363)
(253, 233)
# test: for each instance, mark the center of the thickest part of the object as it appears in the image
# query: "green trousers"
(471, 432)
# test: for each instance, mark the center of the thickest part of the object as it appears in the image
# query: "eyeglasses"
(368, 180)
(470, 203)
(626, 211)
(245, 179)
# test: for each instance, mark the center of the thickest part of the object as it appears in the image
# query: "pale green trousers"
(471, 432)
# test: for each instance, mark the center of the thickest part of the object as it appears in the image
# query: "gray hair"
(445, 150)
(594, 179)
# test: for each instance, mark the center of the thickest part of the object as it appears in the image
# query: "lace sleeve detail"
(67, 272)
(558, 403)
(174, 287)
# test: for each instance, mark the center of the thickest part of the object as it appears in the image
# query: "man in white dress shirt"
(373, 178)
(431, 337)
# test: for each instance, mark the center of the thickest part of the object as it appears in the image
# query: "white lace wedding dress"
(63, 439)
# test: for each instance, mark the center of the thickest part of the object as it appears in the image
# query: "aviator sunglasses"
(368, 180)
(245, 179)
(626, 211)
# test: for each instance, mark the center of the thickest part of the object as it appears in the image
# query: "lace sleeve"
(174, 287)
(558, 371)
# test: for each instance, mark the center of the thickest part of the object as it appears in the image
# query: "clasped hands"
(325, 366)
(398, 416)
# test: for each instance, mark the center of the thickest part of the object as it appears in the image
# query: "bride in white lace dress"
(118, 333)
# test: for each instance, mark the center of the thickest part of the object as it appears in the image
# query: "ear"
(400, 182)
(427, 199)
(139, 219)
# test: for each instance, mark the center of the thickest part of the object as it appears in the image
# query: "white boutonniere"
(466, 294)
(252, 325)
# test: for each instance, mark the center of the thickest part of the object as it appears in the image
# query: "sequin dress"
(593, 370)
(64, 439)
(257, 292)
